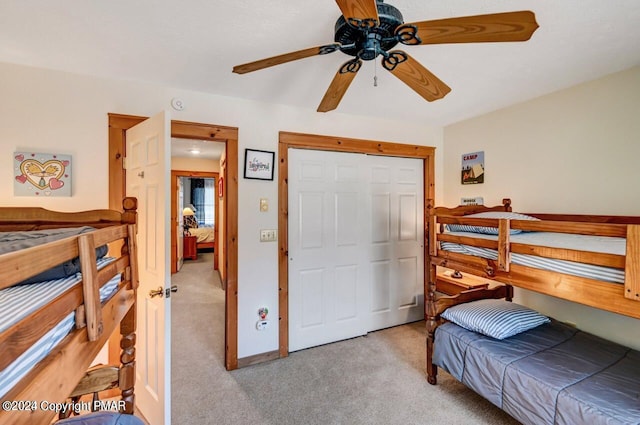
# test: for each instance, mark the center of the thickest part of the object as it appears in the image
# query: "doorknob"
(156, 292)
(167, 292)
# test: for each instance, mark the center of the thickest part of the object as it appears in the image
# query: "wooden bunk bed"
(95, 301)
(601, 378)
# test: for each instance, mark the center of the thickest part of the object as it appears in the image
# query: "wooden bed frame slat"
(504, 255)
(91, 291)
(595, 258)
(578, 228)
(132, 250)
(20, 265)
(15, 340)
(466, 240)
(475, 265)
(36, 216)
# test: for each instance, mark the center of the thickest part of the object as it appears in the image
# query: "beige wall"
(61, 112)
(574, 151)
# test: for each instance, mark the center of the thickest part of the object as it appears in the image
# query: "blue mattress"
(102, 418)
(552, 374)
(589, 243)
(18, 302)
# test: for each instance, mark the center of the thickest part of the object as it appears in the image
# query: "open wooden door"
(148, 168)
(179, 224)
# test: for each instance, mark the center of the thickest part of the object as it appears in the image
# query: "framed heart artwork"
(41, 174)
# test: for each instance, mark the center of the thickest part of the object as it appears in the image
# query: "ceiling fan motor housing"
(367, 43)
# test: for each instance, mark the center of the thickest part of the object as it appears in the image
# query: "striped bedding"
(18, 302)
(600, 244)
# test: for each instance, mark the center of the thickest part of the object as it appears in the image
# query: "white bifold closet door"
(356, 253)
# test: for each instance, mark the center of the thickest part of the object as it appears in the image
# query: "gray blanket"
(553, 374)
(14, 241)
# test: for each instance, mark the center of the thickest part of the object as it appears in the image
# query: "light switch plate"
(268, 235)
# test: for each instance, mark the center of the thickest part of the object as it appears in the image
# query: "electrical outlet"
(262, 325)
(264, 205)
(268, 235)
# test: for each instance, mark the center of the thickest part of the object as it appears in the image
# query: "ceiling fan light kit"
(369, 28)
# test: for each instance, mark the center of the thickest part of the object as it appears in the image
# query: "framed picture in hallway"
(258, 164)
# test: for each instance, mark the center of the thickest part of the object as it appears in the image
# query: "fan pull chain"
(375, 74)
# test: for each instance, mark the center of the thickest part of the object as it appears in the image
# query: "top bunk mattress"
(601, 244)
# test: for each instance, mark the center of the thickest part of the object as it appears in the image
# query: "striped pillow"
(498, 319)
(489, 230)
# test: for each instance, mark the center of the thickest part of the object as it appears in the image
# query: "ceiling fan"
(371, 28)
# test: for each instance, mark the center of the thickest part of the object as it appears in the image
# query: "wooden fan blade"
(495, 27)
(360, 13)
(416, 76)
(339, 85)
(287, 57)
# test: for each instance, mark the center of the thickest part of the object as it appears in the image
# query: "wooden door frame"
(118, 124)
(338, 144)
(175, 175)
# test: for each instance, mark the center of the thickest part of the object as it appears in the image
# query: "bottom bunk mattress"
(18, 302)
(552, 374)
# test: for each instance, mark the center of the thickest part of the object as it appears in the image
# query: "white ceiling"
(186, 148)
(194, 44)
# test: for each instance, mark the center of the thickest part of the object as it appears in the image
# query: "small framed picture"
(41, 174)
(472, 168)
(258, 164)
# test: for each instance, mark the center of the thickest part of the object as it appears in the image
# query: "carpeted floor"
(375, 379)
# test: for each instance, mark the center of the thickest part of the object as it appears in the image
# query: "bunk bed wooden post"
(632, 263)
(429, 305)
(431, 322)
(127, 377)
(433, 304)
